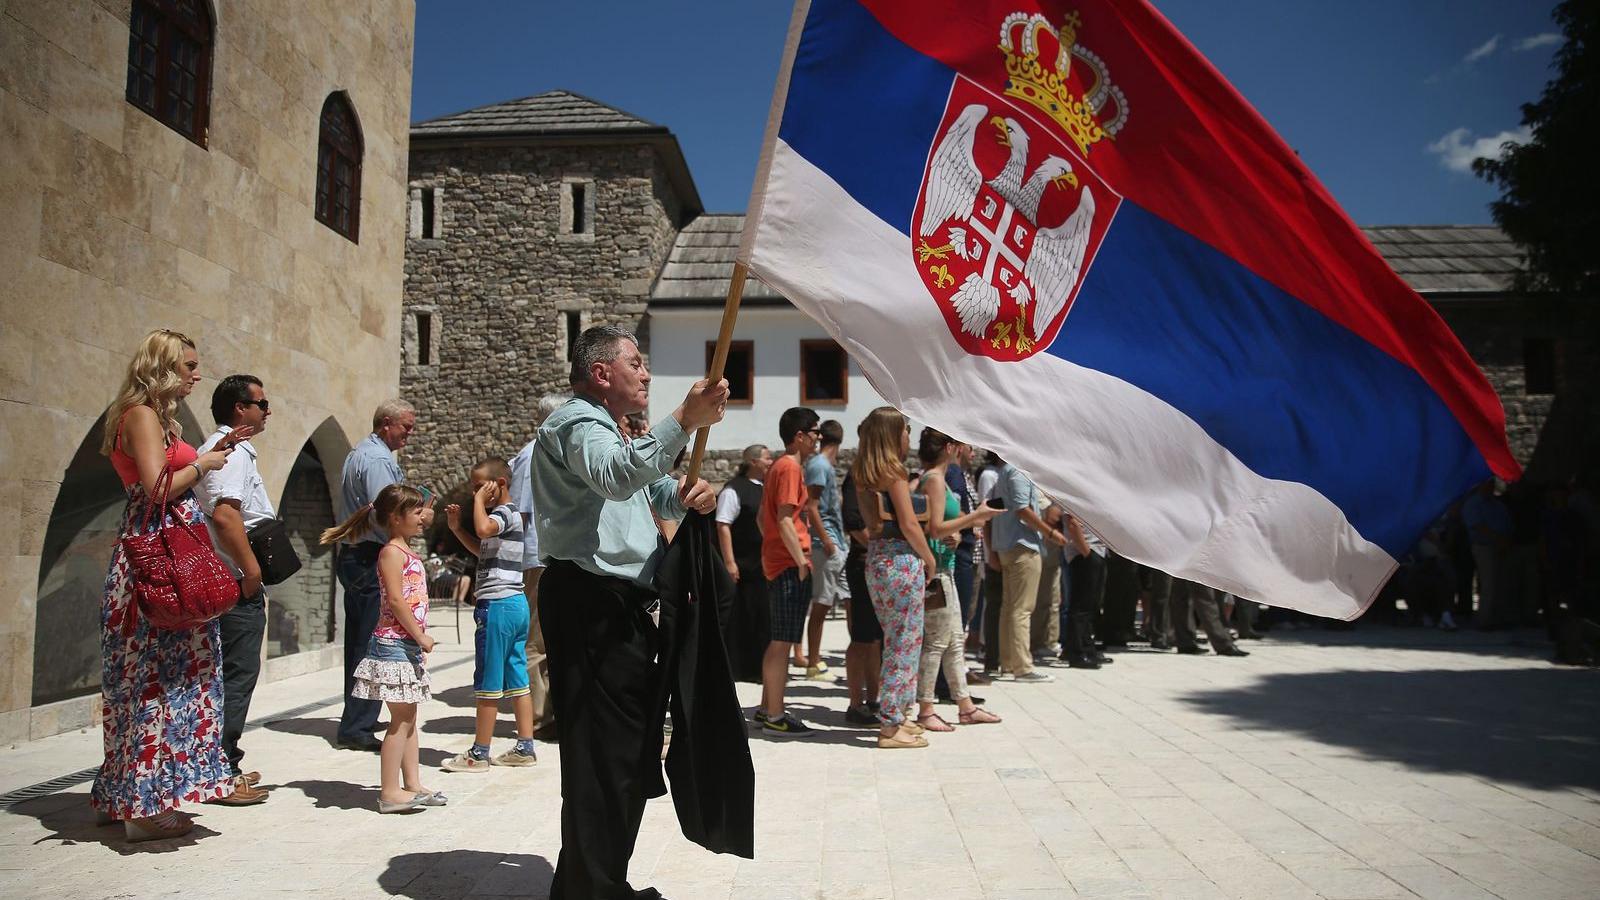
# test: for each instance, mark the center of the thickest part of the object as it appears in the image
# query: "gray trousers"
(1189, 596)
(243, 628)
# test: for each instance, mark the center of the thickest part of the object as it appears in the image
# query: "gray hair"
(548, 404)
(600, 343)
(391, 409)
(750, 455)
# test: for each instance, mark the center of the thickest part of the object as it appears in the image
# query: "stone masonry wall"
(501, 277)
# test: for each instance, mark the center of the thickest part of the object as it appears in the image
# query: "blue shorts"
(500, 658)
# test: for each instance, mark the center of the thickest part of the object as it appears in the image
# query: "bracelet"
(199, 473)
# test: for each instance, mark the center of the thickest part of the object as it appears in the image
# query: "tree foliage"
(1550, 186)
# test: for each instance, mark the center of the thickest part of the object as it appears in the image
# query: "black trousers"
(1087, 577)
(993, 590)
(358, 572)
(1156, 586)
(1117, 610)
(604, 678)
(243, 628)
(1203, 601)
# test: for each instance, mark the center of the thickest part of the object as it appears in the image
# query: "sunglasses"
(261, 403)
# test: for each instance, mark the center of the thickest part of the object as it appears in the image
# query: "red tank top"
(179, 454)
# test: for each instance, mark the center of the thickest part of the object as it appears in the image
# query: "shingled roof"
(549, 113)
(1433, 259)
(561, 117)
(1449, 259)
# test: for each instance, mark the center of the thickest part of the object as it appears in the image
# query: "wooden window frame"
(805, 375)
(339, 156)
(175, 41)
(749, 348)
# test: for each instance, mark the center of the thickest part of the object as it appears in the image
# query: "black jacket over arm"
(713, 778)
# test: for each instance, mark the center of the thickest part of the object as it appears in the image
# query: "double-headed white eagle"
(952, 193)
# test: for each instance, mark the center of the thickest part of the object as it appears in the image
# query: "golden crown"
(1039, 69)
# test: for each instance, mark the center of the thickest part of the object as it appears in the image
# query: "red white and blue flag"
(1056, 231)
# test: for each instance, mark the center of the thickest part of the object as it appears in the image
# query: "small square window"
(740, 370)
(1538, 366)
(824, 374)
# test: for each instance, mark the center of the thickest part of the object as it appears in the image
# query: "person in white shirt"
(544, 717)
(235, 500)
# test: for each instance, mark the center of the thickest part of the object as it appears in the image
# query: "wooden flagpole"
(719, 359)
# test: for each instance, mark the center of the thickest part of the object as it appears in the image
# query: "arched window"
(339, 167)
(169, 63)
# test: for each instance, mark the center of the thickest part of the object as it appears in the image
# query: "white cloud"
(1458, 149)
(1484, 49)
(1538, 40)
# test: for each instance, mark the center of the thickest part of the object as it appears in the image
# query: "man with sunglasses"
(235, 500)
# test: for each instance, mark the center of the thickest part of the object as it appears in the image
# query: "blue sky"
(1386, 101)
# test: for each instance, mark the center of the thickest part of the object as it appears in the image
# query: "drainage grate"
(63, 782)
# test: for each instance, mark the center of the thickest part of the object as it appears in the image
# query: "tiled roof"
(1433, 259)
(701, 263)
(1447, 259)
(549, 113)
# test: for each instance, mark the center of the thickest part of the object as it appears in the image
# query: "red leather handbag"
(179, 582)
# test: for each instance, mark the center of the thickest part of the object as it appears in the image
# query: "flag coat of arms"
(1054, 230)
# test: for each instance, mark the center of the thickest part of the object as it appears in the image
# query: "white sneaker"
(466, 762)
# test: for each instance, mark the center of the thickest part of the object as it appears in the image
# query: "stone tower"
(529, 221)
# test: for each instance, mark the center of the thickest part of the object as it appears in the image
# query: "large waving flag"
(1055, 230)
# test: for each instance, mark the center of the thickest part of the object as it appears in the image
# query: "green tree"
(1550, 186)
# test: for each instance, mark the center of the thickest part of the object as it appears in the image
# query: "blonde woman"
(162, 690)
(899, 566)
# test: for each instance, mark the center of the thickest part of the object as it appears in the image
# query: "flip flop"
(979, 717)
(933, 722)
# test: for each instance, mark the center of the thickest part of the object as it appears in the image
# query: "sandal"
(895, 742)
(932, 722)
(912, 727)
(169, 824)
(978, 716)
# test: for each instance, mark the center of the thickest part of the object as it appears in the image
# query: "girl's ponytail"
(359, 523)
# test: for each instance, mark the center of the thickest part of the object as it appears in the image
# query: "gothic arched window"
(169, 63)
(339, 167)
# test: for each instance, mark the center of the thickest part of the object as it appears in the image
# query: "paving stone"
(1166, 779)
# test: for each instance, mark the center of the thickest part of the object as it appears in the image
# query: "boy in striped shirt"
(500, 670)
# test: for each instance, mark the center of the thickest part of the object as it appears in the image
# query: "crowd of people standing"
(932, 563)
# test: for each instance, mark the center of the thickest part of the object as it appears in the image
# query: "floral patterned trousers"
(162, 694)
(896, 582)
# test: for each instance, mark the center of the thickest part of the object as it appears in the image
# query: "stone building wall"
(1555, 434)
(118, 224)
(501, 277)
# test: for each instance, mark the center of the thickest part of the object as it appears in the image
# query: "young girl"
(393, 668)
(899, 566)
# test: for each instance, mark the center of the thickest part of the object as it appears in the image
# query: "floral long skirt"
(162, 692)
(896, 582)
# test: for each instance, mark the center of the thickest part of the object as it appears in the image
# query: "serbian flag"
(1054, 230)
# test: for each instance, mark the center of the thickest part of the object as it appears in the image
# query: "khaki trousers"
(1045, 628)
(538, 665)
(1020, 568)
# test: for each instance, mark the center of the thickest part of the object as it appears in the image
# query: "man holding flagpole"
(594, 494)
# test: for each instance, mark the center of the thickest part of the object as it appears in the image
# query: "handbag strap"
(153, 506)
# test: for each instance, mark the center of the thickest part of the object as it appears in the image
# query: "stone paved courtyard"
(1372, 763)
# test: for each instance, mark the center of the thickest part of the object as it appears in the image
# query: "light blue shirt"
(1019, 492)
(593, 492)
(521, 488)
(368, 469)
(819, 472)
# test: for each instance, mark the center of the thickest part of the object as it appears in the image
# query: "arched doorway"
(78, 540)
(300, 611)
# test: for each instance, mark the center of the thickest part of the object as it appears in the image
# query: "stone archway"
(79, 536)
(301, 611)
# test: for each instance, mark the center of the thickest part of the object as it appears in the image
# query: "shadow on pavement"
(327, 729)
(460, 697)
(1538, 727)
(504, 726)
(1519, 643)
(70, 820)
(457, 873)
(338, 794)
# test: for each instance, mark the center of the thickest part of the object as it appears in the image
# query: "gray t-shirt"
(500, 557)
